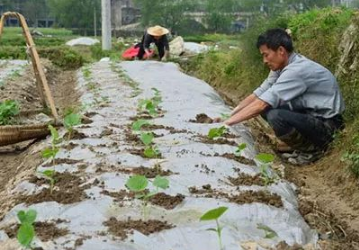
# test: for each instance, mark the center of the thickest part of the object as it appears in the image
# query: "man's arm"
(253, 109)
(244, 103)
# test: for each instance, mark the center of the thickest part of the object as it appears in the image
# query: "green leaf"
(54, 135)
(136, 126)
(8, 109)
(137, 183)
(72, 120)
(240, 149)
(161, 182)
(28, 217)
(270, 233)
(225, 116)
(147, 138)
(151, 152)
(48, 173)
(25, 234)
(265, 158)
(49, 153)
(213, 214)
(216, 132)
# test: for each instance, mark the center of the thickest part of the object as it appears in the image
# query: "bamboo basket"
(14, 134)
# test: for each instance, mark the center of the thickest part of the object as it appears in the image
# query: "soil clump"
(167, 201)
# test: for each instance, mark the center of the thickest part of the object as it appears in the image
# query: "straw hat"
(157, 31)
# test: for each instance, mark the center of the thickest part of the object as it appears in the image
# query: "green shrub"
(63, 56)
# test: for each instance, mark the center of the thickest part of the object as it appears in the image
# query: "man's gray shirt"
(304, 86)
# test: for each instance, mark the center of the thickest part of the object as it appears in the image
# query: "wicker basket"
(14, 134)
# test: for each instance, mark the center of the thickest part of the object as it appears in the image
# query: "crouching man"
(300, 99)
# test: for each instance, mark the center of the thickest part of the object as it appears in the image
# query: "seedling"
(8, 109)
(239, 149)
(70, 121)
(150, 151)
(157, 99)
(225, 116)
(86, 72)
(214, 214)
(139, 184)
(216, 132)
(26, 232)
(269, 233)
(53, 150)
(49, 175)
(137, 125)
(149, 105)
(266, 160)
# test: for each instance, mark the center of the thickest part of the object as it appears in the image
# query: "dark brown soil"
(90, 114)
(70, 146)
(257, 196)
(167, 201)
(75, 135)
(138, 117)
(247, 180)
(44, 230)
(121, 229)
(140, 152)
(119, 196)
(202, 118)
(239, 159)
(172, 130)
(205, 139)
(67, 190)
(242, 198)
(148, 172)
(106, 132)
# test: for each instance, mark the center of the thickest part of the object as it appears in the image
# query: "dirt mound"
(167, 201)
(202, 118)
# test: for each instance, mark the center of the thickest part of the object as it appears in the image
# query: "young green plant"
(8, 110)
(269, 232)
(266, 160)
(50, 176)
(239, 149)
(216, 132)
(150, 151)
(50, 153)
(215, 214)
(70, 121)
(139, 184)
(137, 125)
(26, 232)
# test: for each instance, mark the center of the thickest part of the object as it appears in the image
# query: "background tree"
(76, 13)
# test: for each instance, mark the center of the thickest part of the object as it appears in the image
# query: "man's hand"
(164, 59)
(148, 55)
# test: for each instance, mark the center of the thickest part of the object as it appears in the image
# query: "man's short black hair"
(274, 38)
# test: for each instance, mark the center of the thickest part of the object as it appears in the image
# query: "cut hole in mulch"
(167, 201)
(120, 196)
(70, 146)
(244, 197)
(67, 190)
(106, 132)
(75, 135)
(140, 152)
(205, 139)
(45, 231)
(121, 229)
(246, 180)
(148, 172)
(239, 159)
(202, 118)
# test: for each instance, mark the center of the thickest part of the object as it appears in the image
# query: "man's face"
(157, 37)
(274, 59)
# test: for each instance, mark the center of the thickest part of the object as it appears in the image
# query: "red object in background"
(131, 53)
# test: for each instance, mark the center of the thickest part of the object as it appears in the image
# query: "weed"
(70, 121)
(214, 214)
(269, 233)
(49, 175)
(139, 184)
(266, 160)
(216, 132)
(86, 72)
(26, 232)
(8, 110)
(53, 150)
(239, 149)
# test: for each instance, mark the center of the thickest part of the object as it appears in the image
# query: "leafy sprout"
(216, 132)
(50, 153)
(49, 175)
(8, 110)
(225, 116)
(137, 125)
(239, 149)
(266, 160)
(269, 233)
(26, 232)
(70, 121)
(215, 214)
(139, 184)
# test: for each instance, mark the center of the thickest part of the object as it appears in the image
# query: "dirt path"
(18, 160)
